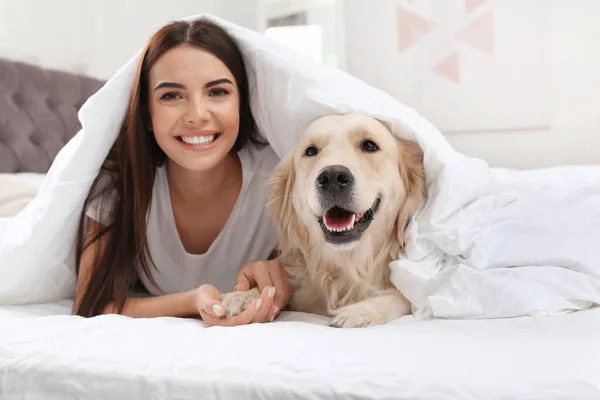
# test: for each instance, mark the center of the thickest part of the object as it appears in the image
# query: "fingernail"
(275, 310)
(271, 293)
(258, 303)
(217, 309)
(236, 287)
(272, 318)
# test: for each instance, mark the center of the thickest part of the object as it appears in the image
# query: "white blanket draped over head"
(454, 266)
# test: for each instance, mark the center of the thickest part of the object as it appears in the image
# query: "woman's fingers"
(208, 300)
(249, 315)
(243, 282)
(211, 320)
(259, 311)
(253, 273)
(241, 319)
(267, 273)
(272, 313)
(274, 296)
(264, 305)
(262, 276)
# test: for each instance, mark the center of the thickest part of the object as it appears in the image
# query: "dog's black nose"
(335, 177)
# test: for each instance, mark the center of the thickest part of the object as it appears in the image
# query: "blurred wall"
(514, 82)
(97, 37)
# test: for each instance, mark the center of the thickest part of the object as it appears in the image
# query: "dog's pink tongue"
(337, 218)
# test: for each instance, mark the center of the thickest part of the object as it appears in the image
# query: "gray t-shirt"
(249, 233)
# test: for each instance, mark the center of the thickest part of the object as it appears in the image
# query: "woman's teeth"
(198, 140)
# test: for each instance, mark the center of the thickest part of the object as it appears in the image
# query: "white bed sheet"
(44, 354)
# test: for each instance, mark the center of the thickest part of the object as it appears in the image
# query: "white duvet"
(539, 254)
(45, 355)
(483, 246)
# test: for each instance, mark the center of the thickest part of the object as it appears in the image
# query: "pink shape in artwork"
(473, 4)
(411, 27)
(449, 68)
(480, 33)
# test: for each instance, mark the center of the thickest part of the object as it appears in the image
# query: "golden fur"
(350, 281)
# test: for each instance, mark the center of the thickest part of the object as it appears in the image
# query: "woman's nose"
(197, 111)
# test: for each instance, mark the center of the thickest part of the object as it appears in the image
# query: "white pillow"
(17, 190)
(537, 255)
(555, 222)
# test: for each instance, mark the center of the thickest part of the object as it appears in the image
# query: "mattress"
(45, 353)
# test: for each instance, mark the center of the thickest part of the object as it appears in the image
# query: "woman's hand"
(265, 274)
(210, 308)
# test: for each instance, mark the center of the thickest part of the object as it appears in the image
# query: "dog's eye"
(311, 151)
(370, 146)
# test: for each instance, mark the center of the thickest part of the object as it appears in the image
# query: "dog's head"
(348, 180)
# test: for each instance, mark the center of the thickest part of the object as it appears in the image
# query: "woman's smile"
(198, 141)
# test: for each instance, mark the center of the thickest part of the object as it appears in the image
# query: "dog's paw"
(351, 317)
(235, 303)
(378, 310)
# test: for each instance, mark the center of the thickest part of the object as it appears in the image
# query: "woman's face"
(194, 107)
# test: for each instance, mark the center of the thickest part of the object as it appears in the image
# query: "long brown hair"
(123, 189)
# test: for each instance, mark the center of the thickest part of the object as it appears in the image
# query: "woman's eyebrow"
(217, 82)
(174, 85)
(169, 85)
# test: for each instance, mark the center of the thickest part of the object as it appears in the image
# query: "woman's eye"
(369, 146)
(311, 151)
(170, 96)
(218, 92)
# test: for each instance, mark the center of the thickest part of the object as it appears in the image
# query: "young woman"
(179, 204)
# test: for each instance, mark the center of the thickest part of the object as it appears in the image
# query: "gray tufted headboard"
(38, 114)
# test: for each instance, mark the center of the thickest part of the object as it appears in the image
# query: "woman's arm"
(172, 305)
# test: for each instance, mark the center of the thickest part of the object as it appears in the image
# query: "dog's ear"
(413, 177)
(280, 197)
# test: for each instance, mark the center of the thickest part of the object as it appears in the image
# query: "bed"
(45, 353)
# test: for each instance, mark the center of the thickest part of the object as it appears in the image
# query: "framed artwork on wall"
(488, 61)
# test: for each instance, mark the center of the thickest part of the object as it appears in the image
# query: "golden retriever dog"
(341, 201)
